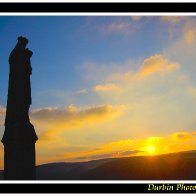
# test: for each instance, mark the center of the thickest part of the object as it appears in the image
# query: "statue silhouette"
(19, 136)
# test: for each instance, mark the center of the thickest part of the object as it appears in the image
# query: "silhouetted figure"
(19, 137)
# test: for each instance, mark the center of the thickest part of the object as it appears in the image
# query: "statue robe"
(19, 91)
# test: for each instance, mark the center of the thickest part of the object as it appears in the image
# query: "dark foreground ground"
(175, 166)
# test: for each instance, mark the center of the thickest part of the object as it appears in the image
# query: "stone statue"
(19, 137)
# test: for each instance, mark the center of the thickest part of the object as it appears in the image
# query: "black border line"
(88, 188)
(97, 7)
(113, 188)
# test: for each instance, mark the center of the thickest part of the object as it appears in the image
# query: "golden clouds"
(119, 148)
(144, 146)
(52, 125)
(168, 143)
(106, 88)
(74, 117)
(156, 64)
(181, 136)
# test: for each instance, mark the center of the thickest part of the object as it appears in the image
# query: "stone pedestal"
(19, 152)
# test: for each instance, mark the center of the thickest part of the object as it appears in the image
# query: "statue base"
(19, 152)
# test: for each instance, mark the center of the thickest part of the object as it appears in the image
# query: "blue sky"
(61, 44)
(106, 84)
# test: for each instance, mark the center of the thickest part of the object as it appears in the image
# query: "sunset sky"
(106, 86)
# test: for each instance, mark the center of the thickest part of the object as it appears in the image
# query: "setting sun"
(151, 149)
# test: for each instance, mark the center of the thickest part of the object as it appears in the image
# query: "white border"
(98, 14)
(99, 182)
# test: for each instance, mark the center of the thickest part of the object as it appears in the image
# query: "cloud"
(185, 32)
(118, 146)
(154, 139)
(122, 25)
(125, 82)
(189, 32)
(99, 73)
(131, 152)
(110, 155)
(190, 36)
(106, 88)
(82, 91)
(156, 64)
(119, 27)
(117, 149)
(75, 117)
(128, 26)
(181, 136)
(118, 79)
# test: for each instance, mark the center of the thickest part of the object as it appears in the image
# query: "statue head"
(22, 41)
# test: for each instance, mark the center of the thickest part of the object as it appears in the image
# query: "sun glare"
(150, 150)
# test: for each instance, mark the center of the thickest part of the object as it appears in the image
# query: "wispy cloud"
(116, 154)
(154, 65)
(82, 91)
(190, 36)
(122, 25)
(106, 87)
(118, 27)
(189, 33)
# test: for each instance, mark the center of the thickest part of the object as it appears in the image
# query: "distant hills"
(68, 171)
(174, 166)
